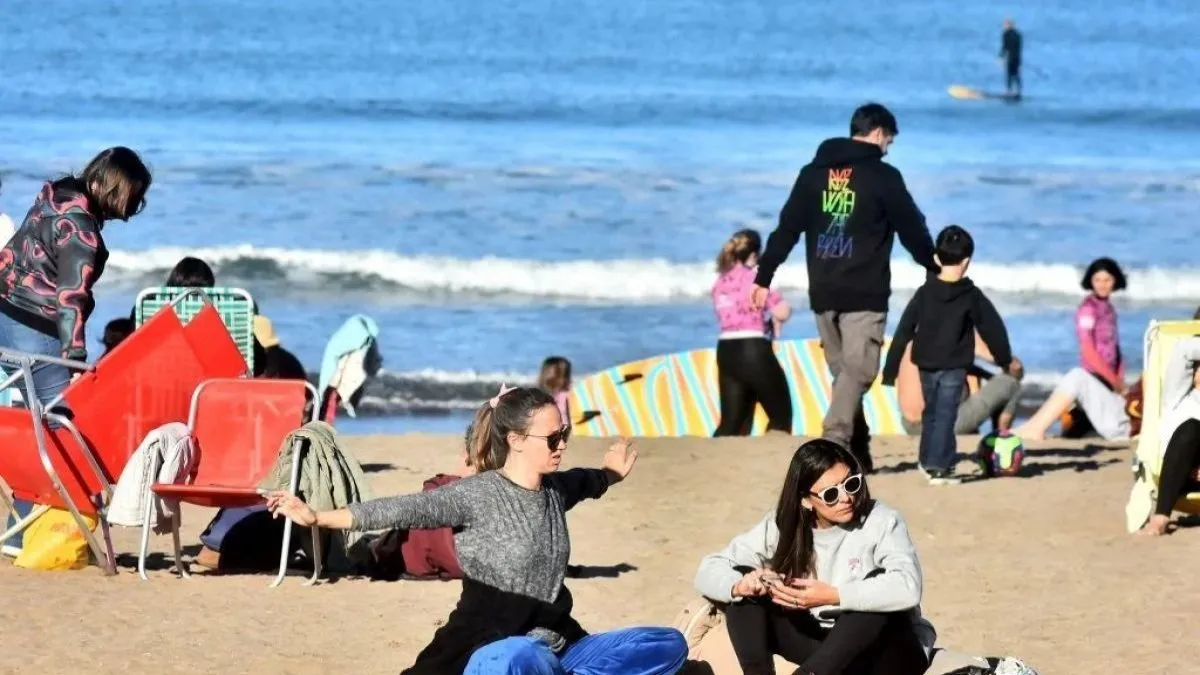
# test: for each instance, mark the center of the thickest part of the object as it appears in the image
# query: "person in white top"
(1179, 434)
(830, 580)
(7, 228)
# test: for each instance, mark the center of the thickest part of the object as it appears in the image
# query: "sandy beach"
(1039, 567)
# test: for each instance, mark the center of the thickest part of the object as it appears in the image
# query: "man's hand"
(758, 297)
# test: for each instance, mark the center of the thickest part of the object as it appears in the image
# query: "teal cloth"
(356, 333)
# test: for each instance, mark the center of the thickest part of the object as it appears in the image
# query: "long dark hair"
(487, 436)
(115, 183)
(794, 553)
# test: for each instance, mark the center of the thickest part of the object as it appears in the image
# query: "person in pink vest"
(748, 373)
(1097, 386)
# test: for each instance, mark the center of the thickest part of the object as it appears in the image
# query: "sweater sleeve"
(784, 238)
(905, 330)
(1085, 326)
(908, 222)
(77, 244)
(718, 572)
(900, 585)
(447, 506)
(577, 485)
(991, 328)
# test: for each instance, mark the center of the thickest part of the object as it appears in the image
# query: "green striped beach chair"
(235, 306)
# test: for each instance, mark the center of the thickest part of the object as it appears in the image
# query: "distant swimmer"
(1010, 53)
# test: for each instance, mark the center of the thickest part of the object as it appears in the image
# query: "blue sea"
(497, 182)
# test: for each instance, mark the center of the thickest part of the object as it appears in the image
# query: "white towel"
(172, 445)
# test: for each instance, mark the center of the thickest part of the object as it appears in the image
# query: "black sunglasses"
(830, 495)
(553, 440)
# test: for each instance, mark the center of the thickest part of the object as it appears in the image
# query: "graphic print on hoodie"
(837, 202)
(851, 205)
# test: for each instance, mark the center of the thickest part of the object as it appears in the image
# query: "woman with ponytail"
(829, 581)
(747, 371)
(514, 615)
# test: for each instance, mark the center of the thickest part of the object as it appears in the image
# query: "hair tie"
(504, 389)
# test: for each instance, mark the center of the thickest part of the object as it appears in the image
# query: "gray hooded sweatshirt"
(844, 556)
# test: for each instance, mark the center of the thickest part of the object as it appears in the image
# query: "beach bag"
(54, 542)
(249, 538)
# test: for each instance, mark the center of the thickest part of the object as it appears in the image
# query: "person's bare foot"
(1156, 526)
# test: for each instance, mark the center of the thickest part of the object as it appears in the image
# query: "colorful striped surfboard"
(676, 395)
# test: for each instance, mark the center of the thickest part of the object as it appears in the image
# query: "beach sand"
(1038, 567)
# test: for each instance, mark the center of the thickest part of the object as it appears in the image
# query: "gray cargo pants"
(851, 341)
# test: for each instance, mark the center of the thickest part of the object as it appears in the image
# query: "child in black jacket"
(941, 320)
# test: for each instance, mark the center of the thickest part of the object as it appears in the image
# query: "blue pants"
(48, 379)
(942, 390)
(630, 651)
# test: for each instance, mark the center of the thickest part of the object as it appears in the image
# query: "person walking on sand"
(851, 205)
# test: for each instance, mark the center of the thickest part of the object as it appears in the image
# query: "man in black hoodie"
(941, 321)
(850, 204)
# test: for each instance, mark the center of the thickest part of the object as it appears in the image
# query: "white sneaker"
(1010, 666)
(10, 551)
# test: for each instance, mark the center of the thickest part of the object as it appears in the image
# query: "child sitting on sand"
(555, 379)
(941, 321)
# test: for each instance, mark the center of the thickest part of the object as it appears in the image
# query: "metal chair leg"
(317, 556)
(147, 514)
(34, 513)
(180, 565)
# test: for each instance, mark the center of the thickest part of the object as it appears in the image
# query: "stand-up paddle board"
(965, 93)
(677, 395)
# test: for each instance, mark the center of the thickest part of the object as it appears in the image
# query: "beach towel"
(172, 444)
(351, 356)
(329, 479)
(702, 623)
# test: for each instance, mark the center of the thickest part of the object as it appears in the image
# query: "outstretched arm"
(577, 485)
(447, 506)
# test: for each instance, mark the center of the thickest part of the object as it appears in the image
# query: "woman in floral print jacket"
(48, 268)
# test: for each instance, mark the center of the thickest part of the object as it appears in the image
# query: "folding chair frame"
(293, 488)
(25, 364)
(1141, 473)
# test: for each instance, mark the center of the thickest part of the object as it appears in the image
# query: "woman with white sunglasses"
(829, 581)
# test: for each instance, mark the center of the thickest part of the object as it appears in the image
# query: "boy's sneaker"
(1004, 666)
(941, 476)
(1010, 666)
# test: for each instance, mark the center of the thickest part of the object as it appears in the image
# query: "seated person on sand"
(988, 396)
(829, 581)
(1179, 433)
(1098, 385)
(429, 553)
(514, 615)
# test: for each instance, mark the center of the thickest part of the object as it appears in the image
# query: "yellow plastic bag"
(54, 542)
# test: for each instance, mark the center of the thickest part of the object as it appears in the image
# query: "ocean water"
(496, 183)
